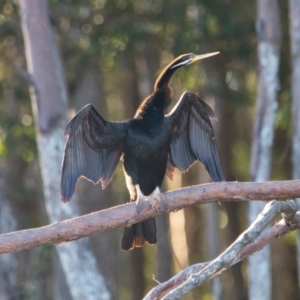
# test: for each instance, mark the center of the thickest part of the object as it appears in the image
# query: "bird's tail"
(137, 234)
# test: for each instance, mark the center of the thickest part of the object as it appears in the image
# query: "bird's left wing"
(192, 136)
(93, 150)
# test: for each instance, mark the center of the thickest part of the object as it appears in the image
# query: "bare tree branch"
(126, 214)
(249, 242)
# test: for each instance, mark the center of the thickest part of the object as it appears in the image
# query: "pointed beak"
(202, 56)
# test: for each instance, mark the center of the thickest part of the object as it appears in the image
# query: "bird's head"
(179, 62)
(187, 59)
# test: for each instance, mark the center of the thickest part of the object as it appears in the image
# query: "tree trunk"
(268, 31)
(48, 95)
(294, 11)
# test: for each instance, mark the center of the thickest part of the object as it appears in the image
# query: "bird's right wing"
(192, 137)
(93, 150)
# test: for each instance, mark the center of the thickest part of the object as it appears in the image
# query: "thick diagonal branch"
(123, 215)
(249, 242)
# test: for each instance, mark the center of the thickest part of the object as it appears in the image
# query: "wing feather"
(93, 150)
(192, 136)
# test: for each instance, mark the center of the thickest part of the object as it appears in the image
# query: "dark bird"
(152, 145)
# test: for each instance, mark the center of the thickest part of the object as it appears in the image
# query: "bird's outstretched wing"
(93, 150)
(192, 136)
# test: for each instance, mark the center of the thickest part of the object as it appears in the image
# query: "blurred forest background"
(112, 52)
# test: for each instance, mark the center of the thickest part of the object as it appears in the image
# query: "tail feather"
(137, 234)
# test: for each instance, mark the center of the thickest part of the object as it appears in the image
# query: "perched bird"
(152, 145)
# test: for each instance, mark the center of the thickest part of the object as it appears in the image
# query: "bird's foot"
(159, 203)
(156, 201)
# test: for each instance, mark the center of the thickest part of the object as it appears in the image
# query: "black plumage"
(152, 145)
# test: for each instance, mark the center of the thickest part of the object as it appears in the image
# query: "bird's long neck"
(153, 107)
(165, 77)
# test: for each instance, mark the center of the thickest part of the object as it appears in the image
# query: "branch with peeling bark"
(97, 222)
(249, 242)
